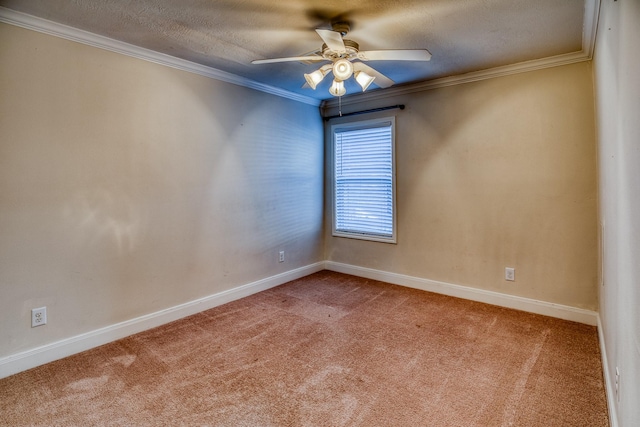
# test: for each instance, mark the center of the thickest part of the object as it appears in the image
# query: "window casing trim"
(387, 121)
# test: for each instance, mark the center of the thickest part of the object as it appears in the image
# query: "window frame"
(356, 124)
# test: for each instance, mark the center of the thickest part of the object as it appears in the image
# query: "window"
(364, 180)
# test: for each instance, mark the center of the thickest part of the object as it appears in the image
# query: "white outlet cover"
(510, 274)
(38, 316)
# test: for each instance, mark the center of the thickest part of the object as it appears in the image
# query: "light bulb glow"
(337, 88)
(342, 69)
(363, 79)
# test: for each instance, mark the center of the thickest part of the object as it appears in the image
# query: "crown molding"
(589, 30)
(491, 73)
(590, 26)
(591, 12)
(66, 32)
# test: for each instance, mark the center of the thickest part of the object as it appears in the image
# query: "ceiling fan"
(345, 60)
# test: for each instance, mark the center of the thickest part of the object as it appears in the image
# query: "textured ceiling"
(462, 35)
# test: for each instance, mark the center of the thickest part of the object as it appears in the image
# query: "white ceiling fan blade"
(380, 79)
(289, 59)
(333, 40)
(395, 55)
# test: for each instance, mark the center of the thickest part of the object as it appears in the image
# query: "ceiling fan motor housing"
(351, 51)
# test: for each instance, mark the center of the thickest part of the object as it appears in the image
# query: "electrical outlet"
(510, 274)
(281, 257)
(38, 316)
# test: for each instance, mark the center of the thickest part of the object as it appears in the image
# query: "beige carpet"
(327, 350)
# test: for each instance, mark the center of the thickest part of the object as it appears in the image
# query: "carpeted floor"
(327, 350)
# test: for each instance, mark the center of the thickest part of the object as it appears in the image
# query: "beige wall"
(617, 67)
(127, 187)
(492, 174)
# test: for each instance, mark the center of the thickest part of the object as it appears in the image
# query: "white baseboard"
(495, 298)
(28, 359)
(31, 358)
(608, 383)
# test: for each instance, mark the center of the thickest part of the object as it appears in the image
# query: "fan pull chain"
(340, 106)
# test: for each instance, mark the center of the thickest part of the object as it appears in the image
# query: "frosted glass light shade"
(337, 88)
(363, 79)
(316, 77)
(342, 69)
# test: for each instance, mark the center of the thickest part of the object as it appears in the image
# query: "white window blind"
(364, 181)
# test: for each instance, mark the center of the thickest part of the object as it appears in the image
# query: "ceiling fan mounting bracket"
(341, 27)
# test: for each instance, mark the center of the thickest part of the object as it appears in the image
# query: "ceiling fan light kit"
(341, 53)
